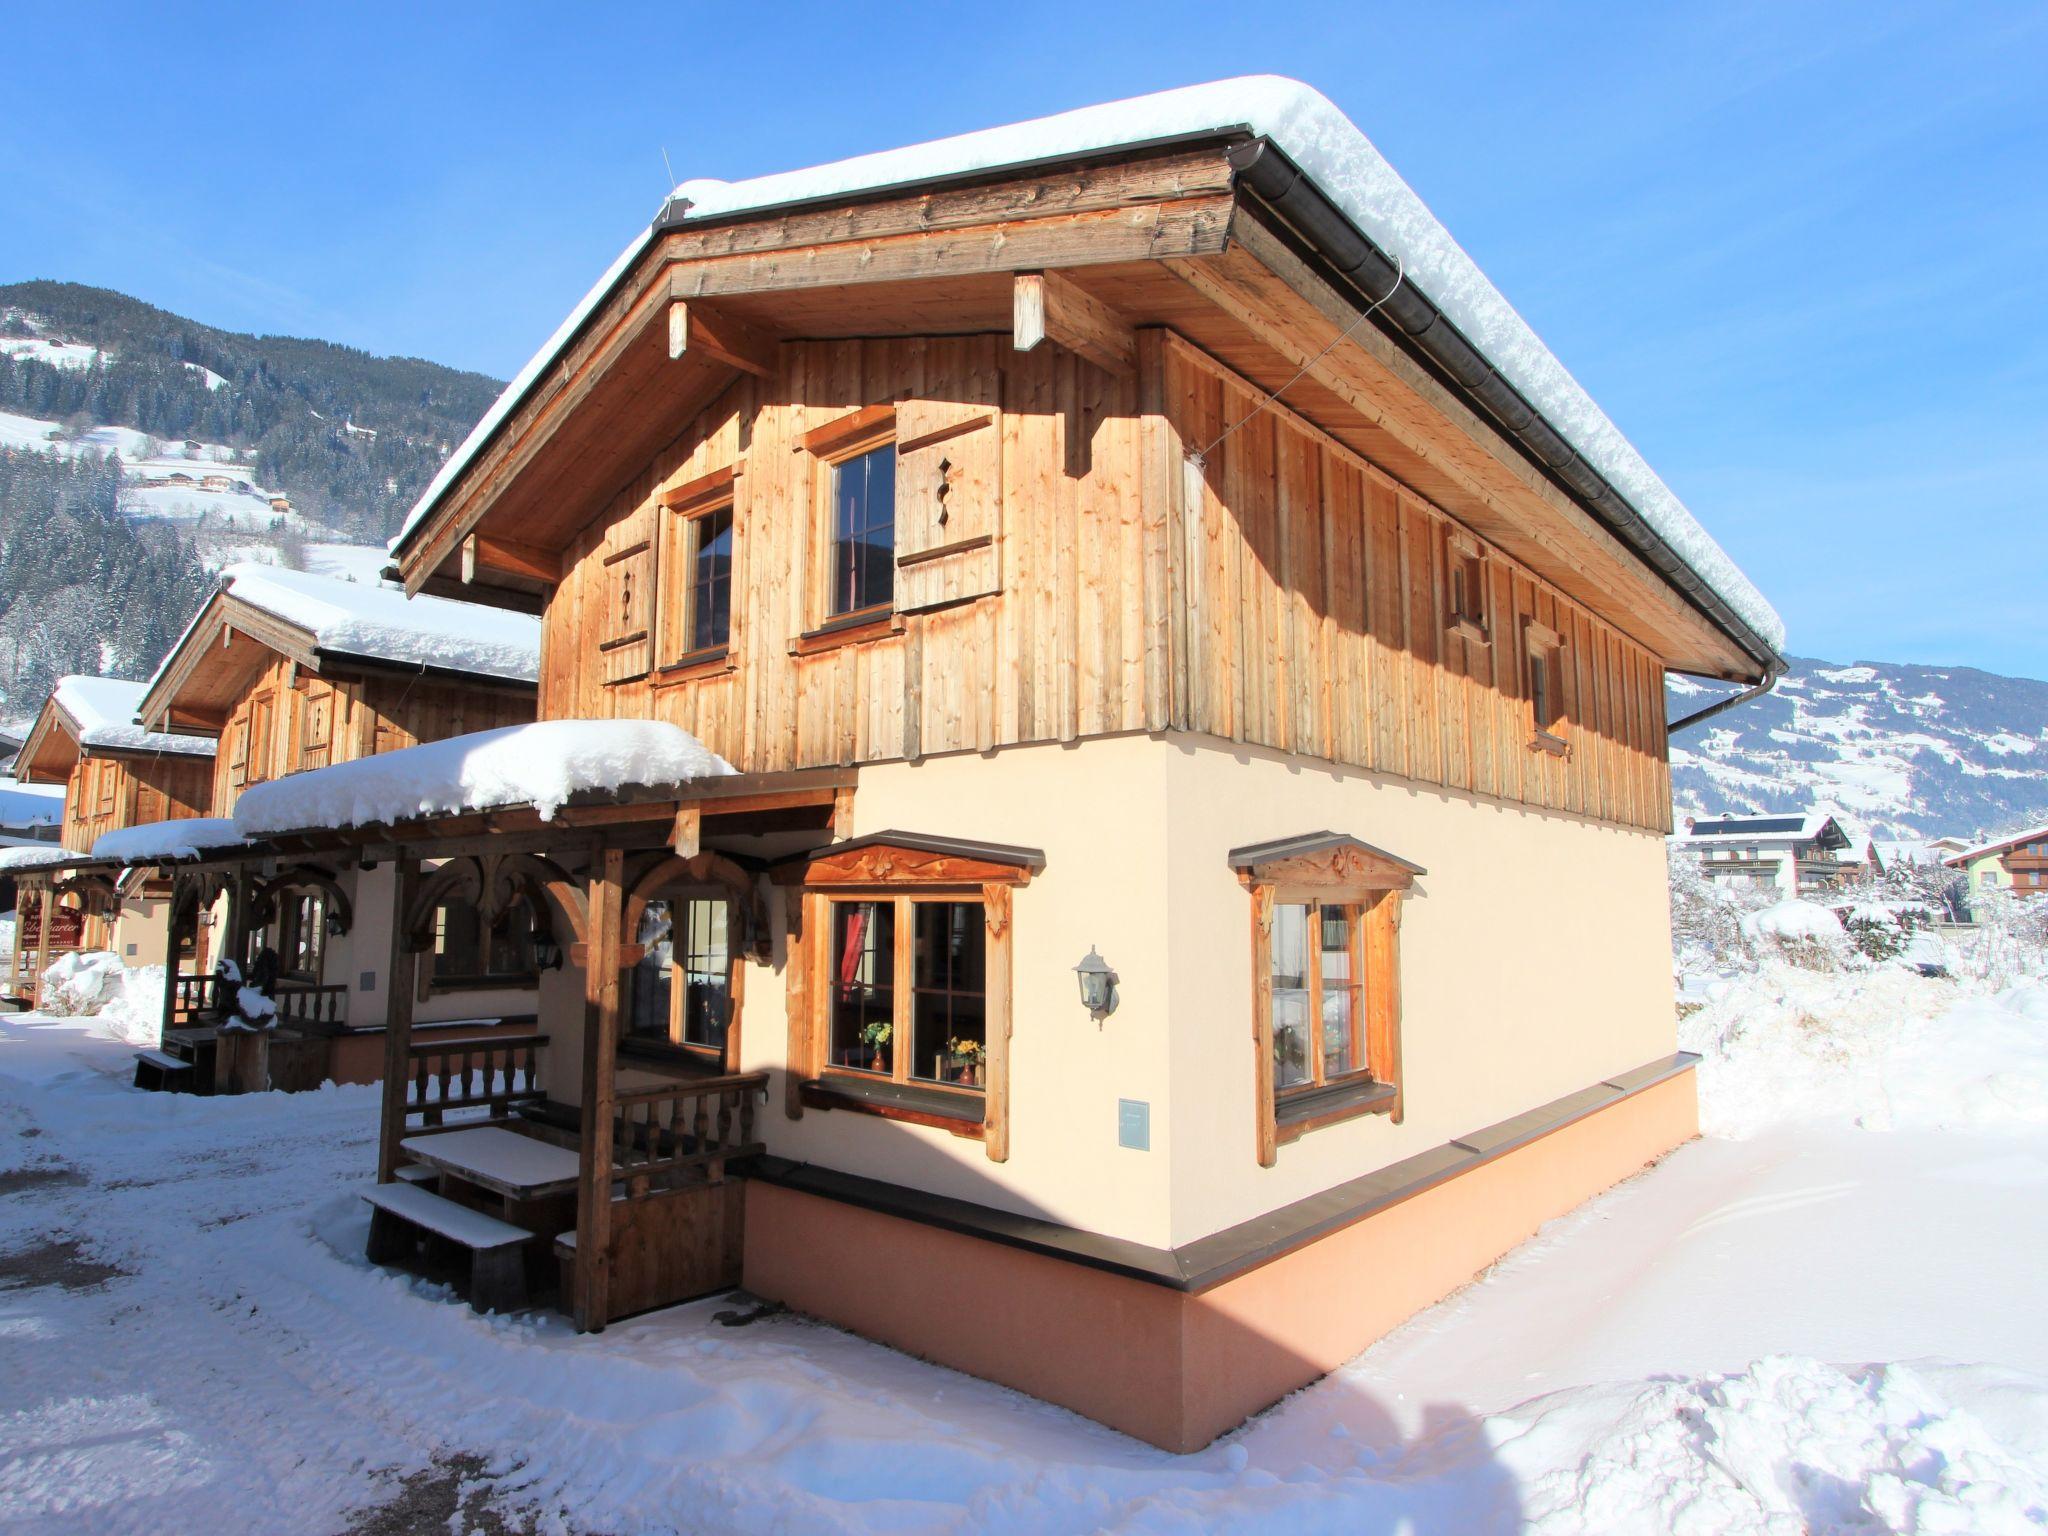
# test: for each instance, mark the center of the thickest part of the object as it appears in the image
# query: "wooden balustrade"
(659, 1134)
(315, 1009)
(494, 1073)
(192, 997)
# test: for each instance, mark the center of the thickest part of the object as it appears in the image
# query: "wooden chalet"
(1189, 890)
(289, 672)
(115, 774)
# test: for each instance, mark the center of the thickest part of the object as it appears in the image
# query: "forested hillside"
(354, 437)
(82, 589)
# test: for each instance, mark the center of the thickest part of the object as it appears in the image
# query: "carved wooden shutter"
(949, 497)
(238, 752)
(628, 644)
(316, 726)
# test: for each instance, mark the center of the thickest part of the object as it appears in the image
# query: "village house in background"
(1798, 854)
(2017, 863)
(114, 774)
(288, 672)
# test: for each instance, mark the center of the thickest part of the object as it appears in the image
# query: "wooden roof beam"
(700, 330)
(1048, 307)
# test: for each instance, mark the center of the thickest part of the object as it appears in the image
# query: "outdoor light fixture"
(1098, 985)
(334, 928)
(547, 954)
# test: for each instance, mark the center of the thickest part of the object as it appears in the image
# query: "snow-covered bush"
(1706, 917)
(79, 984)
(2010, 941)
(1877, 931)
(1801, 933)
(134, 1012)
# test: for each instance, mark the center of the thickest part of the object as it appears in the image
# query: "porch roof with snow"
(321, 622)
(94, 715)
(165, 842)
(1274, 147)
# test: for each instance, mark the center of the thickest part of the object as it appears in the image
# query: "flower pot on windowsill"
(961, 1070)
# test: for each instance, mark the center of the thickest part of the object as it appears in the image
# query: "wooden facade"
(1288, 594)
(106, 791)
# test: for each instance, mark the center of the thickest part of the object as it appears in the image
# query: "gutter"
(1264, 169)
(1701, 716)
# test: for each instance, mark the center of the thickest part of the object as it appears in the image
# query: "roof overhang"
(52, 749)
(1176, 235)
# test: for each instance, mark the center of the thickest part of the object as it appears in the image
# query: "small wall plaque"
(368, 983)
(1134, 1124)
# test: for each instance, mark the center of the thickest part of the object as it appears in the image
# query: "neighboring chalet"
(1798, 854)
(288, 672)
(2016, 863)
(115, 774)
(1101, 774)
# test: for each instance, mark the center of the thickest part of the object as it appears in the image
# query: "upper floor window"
(260, 712)
(1465, 587)
(863, 546)
(707, 618)
(1543, 654)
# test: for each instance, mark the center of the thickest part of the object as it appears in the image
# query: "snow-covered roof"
(539, 765)
(1791, 827)
(1998, 843)
(103, 710)
(35, 856)
(376, 620)
(1332, 151)
(30, 805)
(151, 842)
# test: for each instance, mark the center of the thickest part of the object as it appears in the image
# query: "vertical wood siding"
(1286, 594)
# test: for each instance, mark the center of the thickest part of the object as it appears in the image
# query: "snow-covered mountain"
(1908, 751)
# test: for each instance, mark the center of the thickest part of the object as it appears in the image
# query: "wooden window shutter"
(316, 726)
(628, 643)
(238, 752)
(949, 498)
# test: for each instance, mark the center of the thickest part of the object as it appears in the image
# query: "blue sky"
(1797, 252)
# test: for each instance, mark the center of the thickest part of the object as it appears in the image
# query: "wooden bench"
(402, 1213)
(419, 1173)
(161, 1073)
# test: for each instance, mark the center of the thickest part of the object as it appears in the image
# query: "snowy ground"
(192, 1341)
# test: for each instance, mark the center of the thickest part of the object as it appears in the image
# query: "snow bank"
(103, 710)
(132, 1008)
(1793, 920)
(1882, 1049)
(152, 841)
(1342, 162)
(367, 618)
(1788, 1445)
(541, 765)
(81, 983)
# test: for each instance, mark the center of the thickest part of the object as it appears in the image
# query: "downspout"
(1267, 172)
(1700, 716)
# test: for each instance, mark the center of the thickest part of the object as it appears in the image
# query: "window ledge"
(848, 629)
(1545, 741)
(1326, 1106)
(962, 1114)
(712, 661)
(1469, 629)
(661, 1055)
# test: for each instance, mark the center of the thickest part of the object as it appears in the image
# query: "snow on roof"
(541, 765)
(1802, 826)
(103, 709)
(1997, 843)
(1326, 145)
(360, 618)
(29, 805)
(153, 841)
(36, 855)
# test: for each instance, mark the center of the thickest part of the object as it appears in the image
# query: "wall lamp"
(1098, 985)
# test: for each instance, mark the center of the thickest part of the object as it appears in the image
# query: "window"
(1466, 588)
(259, 738)
(1326, 913)
(707, 596)
(316, 725)
(302, 935)
(466, 954)
(900, 997)
(1543, 650)
(682, 990)
(109, 779)
(863, 543)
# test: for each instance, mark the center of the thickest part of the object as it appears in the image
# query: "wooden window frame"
(1543, 671)
(484, 980)
(290, 915)
(261, 737)
(316, 702)
(1336, 872)
(676, 1048)
(851, 437)
(907, 876)
(1465, 588)
(703, 874)
(684, 508)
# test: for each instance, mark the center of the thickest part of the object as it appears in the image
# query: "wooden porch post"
(600, 1073)
(47, 905)
(171, 952)
(397, 1020)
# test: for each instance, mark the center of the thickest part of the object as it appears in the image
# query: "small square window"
(1465, 589)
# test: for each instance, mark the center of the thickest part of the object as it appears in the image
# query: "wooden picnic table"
(514, 1167)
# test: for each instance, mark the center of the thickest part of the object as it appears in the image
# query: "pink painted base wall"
(1172, 1368)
